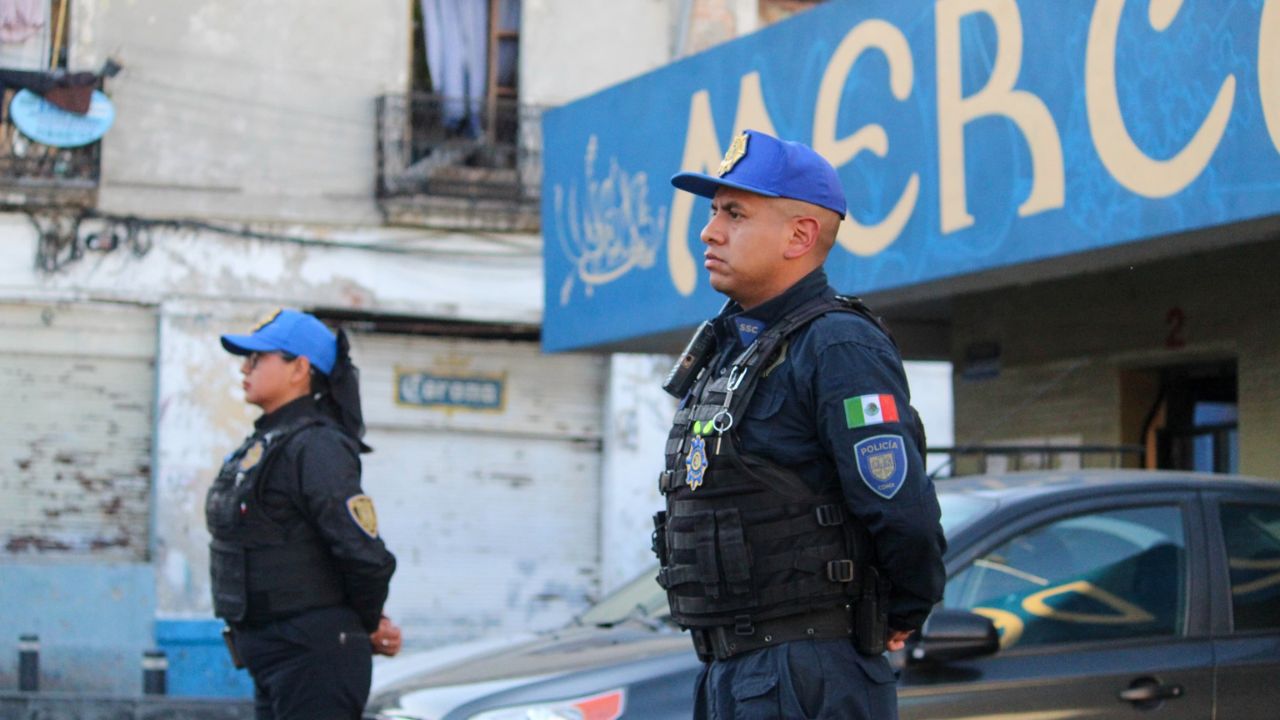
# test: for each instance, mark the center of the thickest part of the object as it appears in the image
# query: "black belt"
(722, 643)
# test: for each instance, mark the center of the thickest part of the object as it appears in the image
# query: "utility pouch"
(230, 642)
(871, 616)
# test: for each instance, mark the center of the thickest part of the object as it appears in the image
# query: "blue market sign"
(970, 135)
(49, 124)
(449, 392)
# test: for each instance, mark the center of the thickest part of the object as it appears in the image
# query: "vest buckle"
(742, 625)
(840, 571)
(830, 515)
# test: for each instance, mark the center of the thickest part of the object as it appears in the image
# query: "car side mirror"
(951, 634)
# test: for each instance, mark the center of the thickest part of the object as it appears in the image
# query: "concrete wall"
(637, 418)
(242, 109)
(1066, 344)
(569, 49)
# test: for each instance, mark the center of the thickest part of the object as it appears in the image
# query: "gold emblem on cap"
(266, 320)
(737, 151)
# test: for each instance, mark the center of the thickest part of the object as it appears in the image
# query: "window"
(1101, 576)
(1252, 535)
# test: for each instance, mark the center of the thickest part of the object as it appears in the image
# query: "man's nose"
(710, 233)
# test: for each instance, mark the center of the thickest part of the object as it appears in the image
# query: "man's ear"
(803, 239)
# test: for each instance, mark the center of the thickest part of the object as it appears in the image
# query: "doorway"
(1193, 422)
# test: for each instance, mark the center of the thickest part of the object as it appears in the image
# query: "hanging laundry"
(21, 19)
(456, 38)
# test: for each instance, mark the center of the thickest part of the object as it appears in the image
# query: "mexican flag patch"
(870, 410)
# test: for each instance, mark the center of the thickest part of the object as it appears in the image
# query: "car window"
(1252, 535)
(1099, 576)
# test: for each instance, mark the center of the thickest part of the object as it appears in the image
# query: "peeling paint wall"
(637, 420)
(439, 275)
(494, 515)
(75, 435)
(201, 416)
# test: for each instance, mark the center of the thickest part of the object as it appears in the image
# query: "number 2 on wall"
(1176, 320)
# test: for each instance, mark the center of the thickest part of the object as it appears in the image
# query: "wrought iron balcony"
(33, 175)
(446, 162)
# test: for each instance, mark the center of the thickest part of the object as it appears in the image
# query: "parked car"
(1070, 594)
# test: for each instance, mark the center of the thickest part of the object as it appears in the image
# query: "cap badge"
(737, 151)
(266, 320)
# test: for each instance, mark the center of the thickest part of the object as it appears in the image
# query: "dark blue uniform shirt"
(820, 408)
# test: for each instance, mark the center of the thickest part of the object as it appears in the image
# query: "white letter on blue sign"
(997, 97)
(1126, 162)
(855, 237)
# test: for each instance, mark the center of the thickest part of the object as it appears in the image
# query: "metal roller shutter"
(77, 385)
(486, 478)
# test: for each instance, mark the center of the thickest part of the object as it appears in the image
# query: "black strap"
(723, 643)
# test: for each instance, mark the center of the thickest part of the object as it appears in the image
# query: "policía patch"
(361, 509)
(695, 466)
(882, 463)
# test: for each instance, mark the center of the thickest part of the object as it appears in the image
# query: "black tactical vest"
(743, 539)
(263, 570)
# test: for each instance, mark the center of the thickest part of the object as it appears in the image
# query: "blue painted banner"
(969, 134)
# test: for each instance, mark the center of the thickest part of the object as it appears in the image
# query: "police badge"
(252, 456)
(266, 320)
(737, 150)
(695, 466)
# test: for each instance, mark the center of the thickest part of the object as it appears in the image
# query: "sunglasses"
(253, 357)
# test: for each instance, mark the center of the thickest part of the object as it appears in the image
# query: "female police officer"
(299, 572)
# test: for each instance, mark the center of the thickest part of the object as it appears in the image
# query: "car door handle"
(1151, 692)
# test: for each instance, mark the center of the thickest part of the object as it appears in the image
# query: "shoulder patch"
(361, 509)
(882, 463)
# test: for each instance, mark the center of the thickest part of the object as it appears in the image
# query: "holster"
(228, 638)
(871, 614)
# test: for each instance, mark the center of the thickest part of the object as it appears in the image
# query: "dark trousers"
(803, 679)
(312, 666)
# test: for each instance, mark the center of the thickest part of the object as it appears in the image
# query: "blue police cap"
(765, 165)
(291, 331)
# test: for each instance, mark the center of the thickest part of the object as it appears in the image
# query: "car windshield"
(643, 598)
(959, 510)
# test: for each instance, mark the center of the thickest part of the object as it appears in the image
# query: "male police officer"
(801, 536)
(299, 572)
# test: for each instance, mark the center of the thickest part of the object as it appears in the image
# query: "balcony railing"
(36, 175)
(447, 162)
